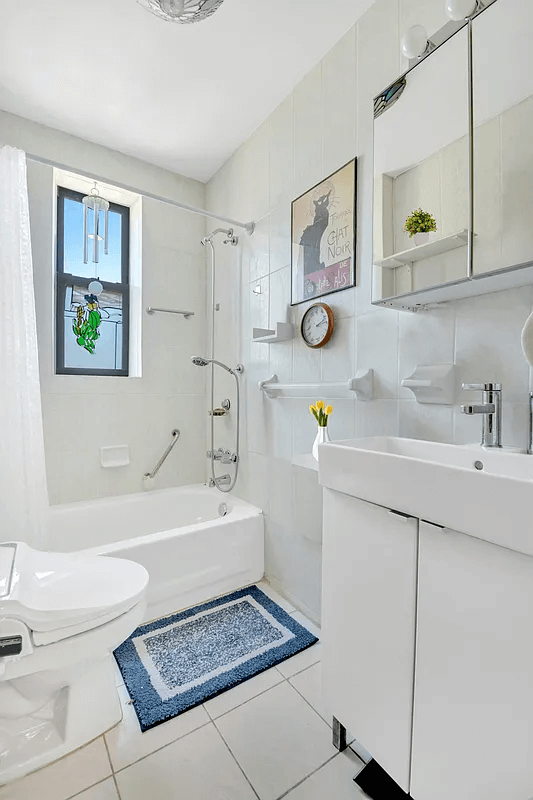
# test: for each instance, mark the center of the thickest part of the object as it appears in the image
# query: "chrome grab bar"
(186, 314)
(175, 436)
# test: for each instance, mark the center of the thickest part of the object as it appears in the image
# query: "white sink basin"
(483, 492)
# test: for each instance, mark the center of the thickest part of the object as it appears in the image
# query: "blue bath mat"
(178, 662)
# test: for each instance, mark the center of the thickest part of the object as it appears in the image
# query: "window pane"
(109, 267)
(93, 331)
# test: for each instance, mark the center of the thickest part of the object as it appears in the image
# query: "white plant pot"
(321, 436)
(421, 238)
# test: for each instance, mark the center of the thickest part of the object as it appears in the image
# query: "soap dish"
(434, 384)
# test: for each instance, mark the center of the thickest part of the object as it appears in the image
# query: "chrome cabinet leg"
(339, 735)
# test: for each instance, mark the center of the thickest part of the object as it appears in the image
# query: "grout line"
(307, 776)
(157, 749)
(116, 786)
(236, 761)
(73, 796)
(307, 701)
(240, 705)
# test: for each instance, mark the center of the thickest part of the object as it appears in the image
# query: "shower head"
(200, 361)
(184, 11)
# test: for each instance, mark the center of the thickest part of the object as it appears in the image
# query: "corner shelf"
(435, 248)
(282, 333)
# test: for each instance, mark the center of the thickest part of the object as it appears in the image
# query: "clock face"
(317, 325)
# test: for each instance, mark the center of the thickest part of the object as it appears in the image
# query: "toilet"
(61, 617)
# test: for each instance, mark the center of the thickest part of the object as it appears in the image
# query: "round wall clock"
(318, 324)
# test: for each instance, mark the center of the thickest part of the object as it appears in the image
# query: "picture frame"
(324, 236)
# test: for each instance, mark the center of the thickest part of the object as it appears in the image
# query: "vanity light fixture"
(459, 10)
(415, 42)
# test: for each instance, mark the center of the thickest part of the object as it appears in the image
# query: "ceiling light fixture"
(184, 11)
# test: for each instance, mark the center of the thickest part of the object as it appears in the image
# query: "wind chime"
(86, 325)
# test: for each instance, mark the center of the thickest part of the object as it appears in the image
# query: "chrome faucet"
(491, 410)
(530, 430)
(224, 480)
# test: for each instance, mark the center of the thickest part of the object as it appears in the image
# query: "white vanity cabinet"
(473, 709)
(368, 624)
(428, 651)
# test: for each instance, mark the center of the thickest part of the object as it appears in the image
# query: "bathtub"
(193, 547)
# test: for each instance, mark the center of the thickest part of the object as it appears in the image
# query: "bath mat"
(178, 662)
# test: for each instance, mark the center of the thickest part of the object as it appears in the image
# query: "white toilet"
(61, 617)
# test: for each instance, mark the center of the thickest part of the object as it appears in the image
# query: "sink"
(487, 493)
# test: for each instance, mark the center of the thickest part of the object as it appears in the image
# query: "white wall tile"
(308, 131)
(339, 88)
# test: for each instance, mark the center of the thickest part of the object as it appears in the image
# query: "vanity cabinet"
(428, 651)
(473, 700)
(368, 625)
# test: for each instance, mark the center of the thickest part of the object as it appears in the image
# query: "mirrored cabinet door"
(421, 175)
(503, 136)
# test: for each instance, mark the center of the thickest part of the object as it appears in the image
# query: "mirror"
(503, 143)
(421, 161)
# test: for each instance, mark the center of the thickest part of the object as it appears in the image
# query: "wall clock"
(318, 324)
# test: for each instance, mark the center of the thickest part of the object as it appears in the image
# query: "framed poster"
(323, 236)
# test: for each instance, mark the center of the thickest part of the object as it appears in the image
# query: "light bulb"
(458, 10)
(414, 41)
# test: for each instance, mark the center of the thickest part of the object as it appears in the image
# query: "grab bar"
(175, 437)
(186, 314)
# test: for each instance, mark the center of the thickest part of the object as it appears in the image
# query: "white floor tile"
(103, 791)
(197, 767)
(127, 744)
(243, 692)
(64, 778)
(301, 661)
(286, 605)
(335, 780)
(277, 739)
(309, 684)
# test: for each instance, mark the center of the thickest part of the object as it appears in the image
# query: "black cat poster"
(323, 236)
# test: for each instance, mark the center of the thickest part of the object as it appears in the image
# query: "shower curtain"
(23, 492)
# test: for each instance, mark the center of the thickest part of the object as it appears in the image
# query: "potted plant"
(420, 224)
(321, 415)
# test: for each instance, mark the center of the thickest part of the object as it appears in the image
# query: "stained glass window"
(92, 319)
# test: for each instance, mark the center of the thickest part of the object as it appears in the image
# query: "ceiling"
(183, 97)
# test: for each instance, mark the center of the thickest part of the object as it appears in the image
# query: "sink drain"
(478, 465)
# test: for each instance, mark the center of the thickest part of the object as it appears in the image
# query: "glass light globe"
(458, 10)
(414, 41)
(96, 288)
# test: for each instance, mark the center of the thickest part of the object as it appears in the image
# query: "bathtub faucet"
(224, 480)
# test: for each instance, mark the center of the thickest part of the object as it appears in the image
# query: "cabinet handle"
(434, 524)
(400, 515)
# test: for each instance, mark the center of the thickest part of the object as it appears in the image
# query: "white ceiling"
(180, 96)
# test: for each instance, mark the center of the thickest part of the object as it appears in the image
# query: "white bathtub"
(191, 552)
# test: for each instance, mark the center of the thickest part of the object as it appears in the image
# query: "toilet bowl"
(61, 617)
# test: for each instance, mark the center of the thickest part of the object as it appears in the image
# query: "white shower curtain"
(23, 493)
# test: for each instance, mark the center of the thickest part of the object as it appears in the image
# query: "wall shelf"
(282, 333)
(435, 248)
(306, 461)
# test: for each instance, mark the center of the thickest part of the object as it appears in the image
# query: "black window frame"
(64, 279)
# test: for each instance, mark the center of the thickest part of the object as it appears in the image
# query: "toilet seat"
(58, 595)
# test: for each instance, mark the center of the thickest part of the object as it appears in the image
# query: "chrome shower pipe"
(208, 240)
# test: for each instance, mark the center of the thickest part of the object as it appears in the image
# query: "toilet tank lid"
(7, 563)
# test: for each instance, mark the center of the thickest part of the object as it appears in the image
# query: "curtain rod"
(249, 227)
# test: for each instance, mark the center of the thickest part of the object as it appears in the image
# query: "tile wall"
(326, 121)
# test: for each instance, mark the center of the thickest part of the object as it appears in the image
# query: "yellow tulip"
(312, 409)
(320, 404)
(329, 410)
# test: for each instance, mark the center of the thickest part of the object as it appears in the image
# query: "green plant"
(420, 222)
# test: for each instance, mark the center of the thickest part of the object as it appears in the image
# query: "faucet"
(530, 431)
(490, 408)
(224, 480)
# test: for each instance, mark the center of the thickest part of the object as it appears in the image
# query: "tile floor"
(267, 738)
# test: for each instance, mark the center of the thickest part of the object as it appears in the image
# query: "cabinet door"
(473, 711)
(368, 624)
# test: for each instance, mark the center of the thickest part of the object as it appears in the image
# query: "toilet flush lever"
(10, 646)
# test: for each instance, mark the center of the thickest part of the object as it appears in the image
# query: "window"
(92, 332)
